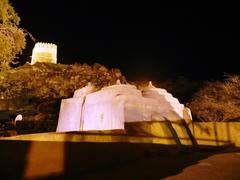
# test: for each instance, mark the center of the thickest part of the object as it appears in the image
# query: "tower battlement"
(44, 52)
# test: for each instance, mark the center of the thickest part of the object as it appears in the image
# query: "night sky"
(146, 41)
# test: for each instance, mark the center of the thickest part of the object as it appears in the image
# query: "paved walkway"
(223, 166)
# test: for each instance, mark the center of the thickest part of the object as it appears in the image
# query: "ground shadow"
(13, 156)
(129, 161)
(85, 160)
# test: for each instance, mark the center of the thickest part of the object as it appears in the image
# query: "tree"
(218, 101)
(12, 38)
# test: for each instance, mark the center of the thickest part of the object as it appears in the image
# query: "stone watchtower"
(44, 52)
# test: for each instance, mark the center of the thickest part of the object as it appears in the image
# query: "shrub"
(54, 81)
(218, 101)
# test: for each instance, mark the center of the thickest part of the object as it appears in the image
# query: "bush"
(218, 101)
(54, 81)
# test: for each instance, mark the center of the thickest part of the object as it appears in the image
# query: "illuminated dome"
(113, 106)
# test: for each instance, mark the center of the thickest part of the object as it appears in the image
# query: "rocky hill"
(35, 91)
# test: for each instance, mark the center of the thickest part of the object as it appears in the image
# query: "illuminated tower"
(44, 52)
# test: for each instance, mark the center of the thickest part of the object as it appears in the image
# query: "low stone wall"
(205, 133)
(216, 133)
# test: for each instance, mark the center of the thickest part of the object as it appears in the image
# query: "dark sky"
(146, 41)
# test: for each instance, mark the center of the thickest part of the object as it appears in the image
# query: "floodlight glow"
(44, 52)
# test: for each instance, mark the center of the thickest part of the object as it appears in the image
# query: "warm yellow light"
(44, 52)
